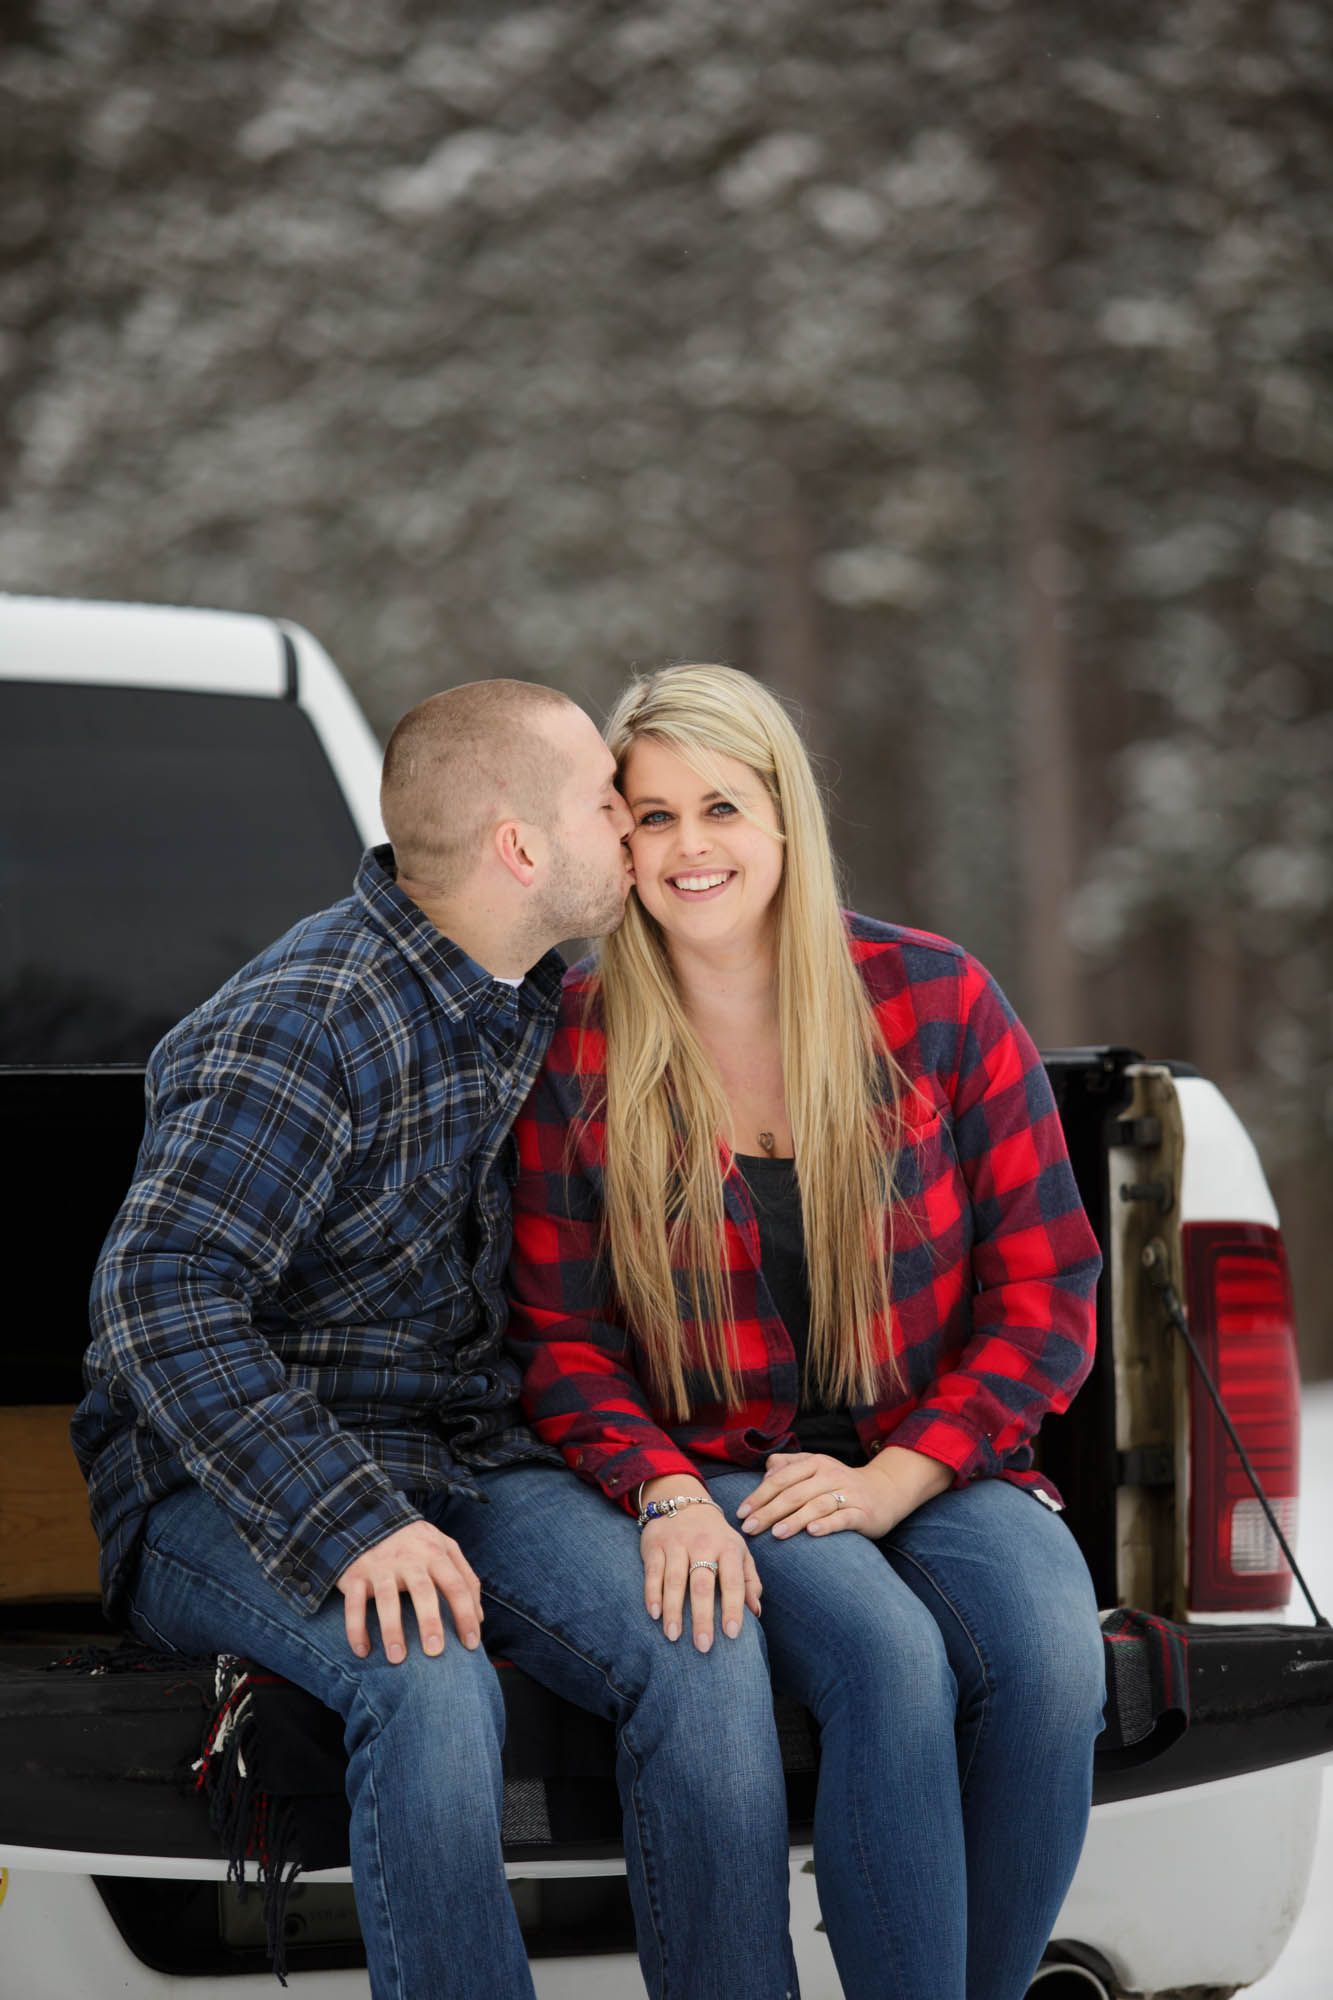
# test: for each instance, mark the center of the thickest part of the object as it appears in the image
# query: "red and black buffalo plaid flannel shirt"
(994, 1262)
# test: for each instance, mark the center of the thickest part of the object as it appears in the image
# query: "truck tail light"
(1239, 1299)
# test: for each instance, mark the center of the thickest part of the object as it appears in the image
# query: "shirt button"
(306, 1589)
(578, 1458)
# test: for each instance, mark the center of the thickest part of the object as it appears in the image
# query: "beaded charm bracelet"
(658, 1510)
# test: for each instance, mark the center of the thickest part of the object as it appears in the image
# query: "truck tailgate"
(103, 1759)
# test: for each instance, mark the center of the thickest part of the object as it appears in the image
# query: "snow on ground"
(1305, 1969)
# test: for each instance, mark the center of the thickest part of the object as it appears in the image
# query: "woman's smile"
(698, 887)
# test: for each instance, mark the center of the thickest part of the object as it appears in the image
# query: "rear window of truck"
(151, 841)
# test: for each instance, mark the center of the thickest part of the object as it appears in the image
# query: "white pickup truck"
(179, 786)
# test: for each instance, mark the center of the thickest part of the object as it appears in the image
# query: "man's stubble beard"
(578, 903)
(584, 903)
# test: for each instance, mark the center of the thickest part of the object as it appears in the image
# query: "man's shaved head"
(462, 761)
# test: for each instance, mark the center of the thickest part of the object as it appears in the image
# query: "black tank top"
(776, 1194)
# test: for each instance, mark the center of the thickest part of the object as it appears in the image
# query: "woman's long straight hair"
(666, 1112)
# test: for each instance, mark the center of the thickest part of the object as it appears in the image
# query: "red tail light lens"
(1239, 1300)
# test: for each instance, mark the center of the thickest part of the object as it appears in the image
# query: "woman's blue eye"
(720, 808)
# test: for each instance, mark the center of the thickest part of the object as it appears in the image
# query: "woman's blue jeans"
(697, 1757)
(958, 1688)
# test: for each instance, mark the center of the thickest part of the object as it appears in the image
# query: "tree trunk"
(790, 653)
(1046, 759)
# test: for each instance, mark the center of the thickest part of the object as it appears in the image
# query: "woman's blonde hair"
(665, 1107)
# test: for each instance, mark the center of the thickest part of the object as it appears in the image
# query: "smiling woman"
(726, 979)
(800, 1267)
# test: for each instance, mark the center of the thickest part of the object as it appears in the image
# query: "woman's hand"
(805, 1489)
(675, 1549)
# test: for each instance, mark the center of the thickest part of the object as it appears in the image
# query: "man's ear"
(521, 848)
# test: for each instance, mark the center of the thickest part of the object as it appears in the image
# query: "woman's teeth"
(694, 884)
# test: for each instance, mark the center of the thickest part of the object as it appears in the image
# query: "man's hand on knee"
(421, 1563)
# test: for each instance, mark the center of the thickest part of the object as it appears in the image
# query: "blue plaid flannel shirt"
(300, 1305)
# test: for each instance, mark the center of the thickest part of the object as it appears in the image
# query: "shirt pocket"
(931, 1219)
(926, 1154)
(406, 1227)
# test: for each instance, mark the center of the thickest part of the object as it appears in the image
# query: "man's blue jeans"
(697, 1756)
(958, 1687)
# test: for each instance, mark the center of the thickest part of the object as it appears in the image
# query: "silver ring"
(701, 1563)
(840, 1499)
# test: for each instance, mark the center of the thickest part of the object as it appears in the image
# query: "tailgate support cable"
(1158, 1269)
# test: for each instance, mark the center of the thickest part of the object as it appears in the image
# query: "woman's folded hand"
(694, 1554)
(806, 1489)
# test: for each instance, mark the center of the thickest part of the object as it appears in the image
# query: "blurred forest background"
(962, 367)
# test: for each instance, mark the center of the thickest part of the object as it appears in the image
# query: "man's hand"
(804, 1489)
(702, 1536)
(425, 1565)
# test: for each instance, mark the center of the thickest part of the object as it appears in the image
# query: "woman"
(759, 1122)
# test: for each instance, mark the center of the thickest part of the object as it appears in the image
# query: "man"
(297, 1396)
